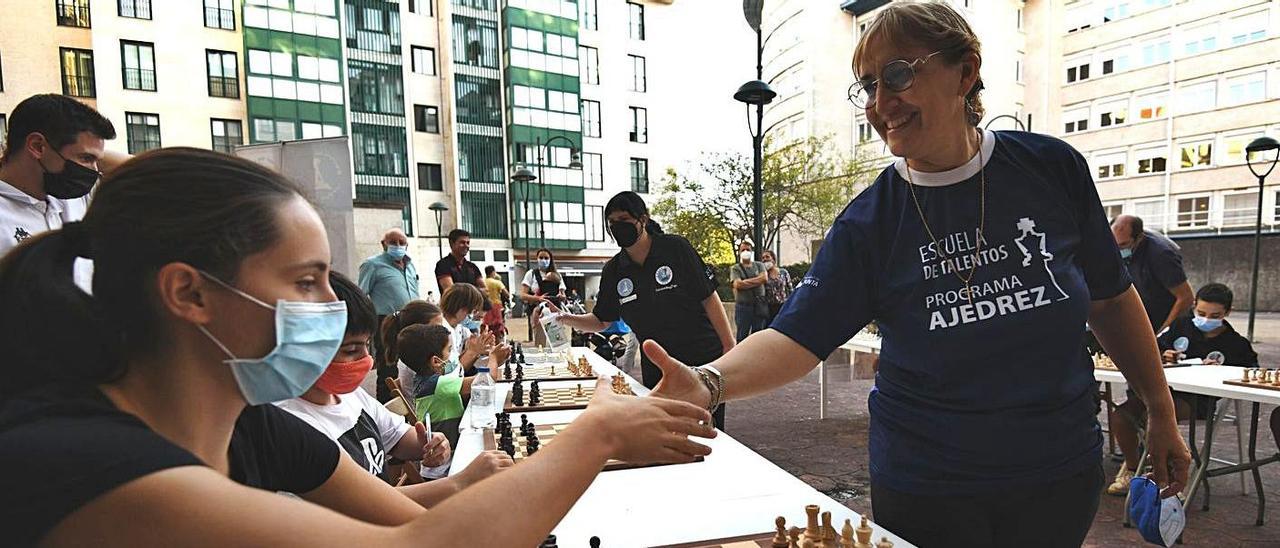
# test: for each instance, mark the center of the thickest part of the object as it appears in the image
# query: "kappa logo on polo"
(20, 234)
(663, 275)
(625, 287)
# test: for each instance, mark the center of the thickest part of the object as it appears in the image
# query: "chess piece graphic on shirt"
(20, 234)
(1027, 244)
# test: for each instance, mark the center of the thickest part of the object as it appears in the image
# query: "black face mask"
(74, 181)
(625, 233)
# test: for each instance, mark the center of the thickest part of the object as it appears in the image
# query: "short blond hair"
(929, 25)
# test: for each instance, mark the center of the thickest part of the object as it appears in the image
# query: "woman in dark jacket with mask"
(661, 287)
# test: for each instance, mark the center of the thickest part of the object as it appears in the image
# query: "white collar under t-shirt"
(955, 175)
(23, 216)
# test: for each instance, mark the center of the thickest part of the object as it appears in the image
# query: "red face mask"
(344, 377)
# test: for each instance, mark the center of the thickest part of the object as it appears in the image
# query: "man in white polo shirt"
(52, 157)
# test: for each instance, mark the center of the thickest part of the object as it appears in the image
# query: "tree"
(806, 183)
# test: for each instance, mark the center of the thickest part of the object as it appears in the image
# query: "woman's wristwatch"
(714, 381)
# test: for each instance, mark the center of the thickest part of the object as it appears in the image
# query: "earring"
(971, 113)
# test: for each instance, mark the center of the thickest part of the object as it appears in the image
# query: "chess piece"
(579, 392)
(812, 530)
(863, 532)
(553, 370)
(594, 542)
(780, 537)
(828, 532)
(884, 543)
(535, 394)
(794, 534)
(549, 543)
(517, 393)
(846, 535)
(1246, 375)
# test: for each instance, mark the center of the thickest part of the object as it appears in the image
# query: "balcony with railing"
(221, 86)
(73, 13)
(217, 18)
(140, 79)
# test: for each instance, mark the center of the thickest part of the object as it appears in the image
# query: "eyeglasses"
(897, 76)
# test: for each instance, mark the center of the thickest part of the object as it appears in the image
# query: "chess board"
(758, 540)
(547, 432)
(554, 399)
(1252, 384)
(544, 373)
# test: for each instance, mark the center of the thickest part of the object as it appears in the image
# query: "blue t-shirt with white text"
(984, 385)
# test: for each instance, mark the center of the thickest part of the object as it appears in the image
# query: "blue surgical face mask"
(1206, 324)
(307, 337)
(397, 252)
(471, 323)
(450, 365)
(544, 263)
(1125, 253)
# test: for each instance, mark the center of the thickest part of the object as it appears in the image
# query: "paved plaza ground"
(831, 454)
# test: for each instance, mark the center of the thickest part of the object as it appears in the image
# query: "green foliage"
(805, 184)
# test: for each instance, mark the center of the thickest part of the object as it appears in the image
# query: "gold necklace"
(982, 222)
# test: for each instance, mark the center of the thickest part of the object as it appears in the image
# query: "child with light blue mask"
(438, 391)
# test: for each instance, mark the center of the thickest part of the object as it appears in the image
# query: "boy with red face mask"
(367, 431)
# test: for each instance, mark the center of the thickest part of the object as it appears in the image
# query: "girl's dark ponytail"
(51, 328)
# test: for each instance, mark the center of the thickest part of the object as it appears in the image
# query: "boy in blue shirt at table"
(1206, 331)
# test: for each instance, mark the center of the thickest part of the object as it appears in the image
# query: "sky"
(707, 52)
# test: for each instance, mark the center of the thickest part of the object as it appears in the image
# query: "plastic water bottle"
(482, 400)
(558, 336)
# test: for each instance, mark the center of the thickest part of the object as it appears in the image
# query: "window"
(1151, 212)
(1239, 209)
(1075, 120)
(1080, 17)
(1113, 113)
(135, 9)
(1249, 88)
(143, 131)
(1197, 97)
(1077, 70)
(72, 13)
(640, 175)
(1115, 12)
(639, 125)
(1152, 106)
(1155, 52)
(476, 255)
(1111, 165)
(590, 118)
(423, 60)
(635, 16)
(589, 19)
(375, 87)
(589, 61)
(224, 74)
(429, 177)
(77, 72)
(639, 79)
(1199, 40)
(1248, 28)
(227, 134)
(1235, 148)
(1112, 210)
(426, 119)
(593, 170)
(429, 4)
(4, 130)
(219, 14)
(501, 256)
(1193, 212)
(595, 223)
(1196, 155)
(475, 42)
(267, 131)
(1152, 160)
(865, 132)
(1116, 60)
(139, 64)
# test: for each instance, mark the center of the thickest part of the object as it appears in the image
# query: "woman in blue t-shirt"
(981, 256)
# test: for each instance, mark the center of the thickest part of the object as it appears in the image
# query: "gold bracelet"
(714, 387)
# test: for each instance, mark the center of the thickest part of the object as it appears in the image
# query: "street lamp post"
(756, 92)
(1259, 145)
(439, 208)
(524, 175)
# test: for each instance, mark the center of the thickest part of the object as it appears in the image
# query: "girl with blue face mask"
(211, 295)
(462, 305)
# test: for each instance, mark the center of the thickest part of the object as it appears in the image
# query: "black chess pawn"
(535, 394)
(531, 448)
(594, 542)
(506, 371)
(549, 543)
(524, 422)
(517, 393)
